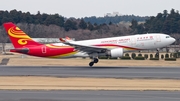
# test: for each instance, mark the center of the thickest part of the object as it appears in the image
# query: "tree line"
(165, 22)
(53, 26)
(115, 19)
(90, 23)
(22, 17)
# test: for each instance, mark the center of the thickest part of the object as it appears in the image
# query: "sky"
(88, 8)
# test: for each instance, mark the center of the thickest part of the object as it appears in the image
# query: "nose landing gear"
(157, 53)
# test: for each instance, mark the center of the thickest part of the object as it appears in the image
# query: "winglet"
(62, 40)
(67, 39)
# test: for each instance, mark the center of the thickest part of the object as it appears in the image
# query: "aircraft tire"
(96, 60)
(91, 64)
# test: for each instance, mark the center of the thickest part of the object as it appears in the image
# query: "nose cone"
(173, 40)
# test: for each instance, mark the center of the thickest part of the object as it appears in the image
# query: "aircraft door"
(133, 41)
(43, 48)
(158, 38)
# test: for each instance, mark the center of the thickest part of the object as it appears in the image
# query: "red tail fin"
(18, 38)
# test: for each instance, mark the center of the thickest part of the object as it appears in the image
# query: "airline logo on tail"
(18, 37)
(15, 32)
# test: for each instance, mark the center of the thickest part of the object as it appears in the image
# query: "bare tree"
(3, 39)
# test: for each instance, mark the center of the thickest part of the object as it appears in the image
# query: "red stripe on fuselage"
(114, 45)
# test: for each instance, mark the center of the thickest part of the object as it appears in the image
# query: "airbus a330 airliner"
(114, 46)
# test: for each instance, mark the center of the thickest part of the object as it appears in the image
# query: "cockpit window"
(167, 36)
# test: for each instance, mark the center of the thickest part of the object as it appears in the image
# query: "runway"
(92, 72)
(89, 96)
(100, 72)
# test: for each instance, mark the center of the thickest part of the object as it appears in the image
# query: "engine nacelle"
(117, 52)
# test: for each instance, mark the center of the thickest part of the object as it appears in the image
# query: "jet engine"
(117, 52)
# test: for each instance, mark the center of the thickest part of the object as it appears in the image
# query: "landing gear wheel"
(96, 60)
(91, 64)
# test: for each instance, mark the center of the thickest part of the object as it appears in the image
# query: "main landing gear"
(94, 60)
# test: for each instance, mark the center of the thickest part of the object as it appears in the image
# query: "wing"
(84, 48)
(87, 49)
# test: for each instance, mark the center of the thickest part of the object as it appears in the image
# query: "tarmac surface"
(96, 72)
(89, 96)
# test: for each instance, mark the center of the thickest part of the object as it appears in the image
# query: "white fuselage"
(128, 43)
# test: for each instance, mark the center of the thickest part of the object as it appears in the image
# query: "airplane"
(93, 48)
